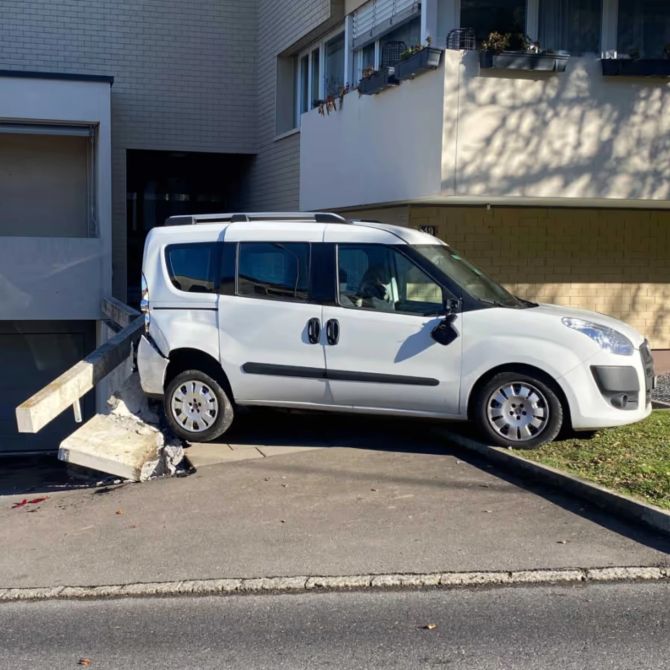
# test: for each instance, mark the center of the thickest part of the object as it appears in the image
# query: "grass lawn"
(634, 460)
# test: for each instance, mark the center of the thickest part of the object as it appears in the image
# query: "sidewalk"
(382, 497)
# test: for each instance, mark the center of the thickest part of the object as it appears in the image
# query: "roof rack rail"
(314, 217)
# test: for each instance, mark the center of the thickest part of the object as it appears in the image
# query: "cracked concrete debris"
(126, 440)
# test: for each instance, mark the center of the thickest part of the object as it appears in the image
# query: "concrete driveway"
(381, 496)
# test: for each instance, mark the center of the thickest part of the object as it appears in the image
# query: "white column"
(608, 40)
(448, 18)
(533, 20)
(429, 21)
(349, 63)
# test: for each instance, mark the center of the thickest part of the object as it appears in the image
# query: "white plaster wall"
(462, 135)
(377, 149)
(576, 136)
(52, 277)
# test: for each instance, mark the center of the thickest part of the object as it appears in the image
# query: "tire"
(502, 411)
(207, 413)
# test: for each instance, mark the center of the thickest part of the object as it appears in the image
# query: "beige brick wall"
(611, 261)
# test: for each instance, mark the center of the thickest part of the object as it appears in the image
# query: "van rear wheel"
(518, 410)
(196, 407)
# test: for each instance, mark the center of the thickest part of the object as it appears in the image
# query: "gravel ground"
(662, 390)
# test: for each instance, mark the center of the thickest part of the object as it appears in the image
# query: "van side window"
(192, 267)
(227, 273)
(274, 270)
(374, 276)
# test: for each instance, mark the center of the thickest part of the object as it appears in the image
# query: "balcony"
(464, 134)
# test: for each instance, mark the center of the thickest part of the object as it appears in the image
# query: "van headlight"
(606, 338)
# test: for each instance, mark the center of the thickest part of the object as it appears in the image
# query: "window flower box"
(378, 81)
(629, 67)
(545, 61)
(421, 61)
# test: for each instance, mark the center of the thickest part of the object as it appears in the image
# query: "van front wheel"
(197, 408)
(518, 410)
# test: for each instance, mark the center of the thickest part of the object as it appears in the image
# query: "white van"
(312, 311)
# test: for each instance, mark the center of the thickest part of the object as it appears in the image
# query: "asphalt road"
(596, 626)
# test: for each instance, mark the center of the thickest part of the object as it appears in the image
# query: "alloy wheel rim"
(194, 406)
(517, 411)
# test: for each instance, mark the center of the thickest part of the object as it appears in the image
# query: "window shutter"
(376, 17)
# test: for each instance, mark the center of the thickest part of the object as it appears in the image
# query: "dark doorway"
(165, 183)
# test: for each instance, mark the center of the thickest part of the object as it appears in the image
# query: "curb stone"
(341, 583)
(616, 504)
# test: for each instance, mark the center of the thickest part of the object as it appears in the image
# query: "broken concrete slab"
(117, 445)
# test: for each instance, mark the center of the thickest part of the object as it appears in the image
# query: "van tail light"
(144, 304)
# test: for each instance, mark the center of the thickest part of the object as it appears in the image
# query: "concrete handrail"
(67, 389)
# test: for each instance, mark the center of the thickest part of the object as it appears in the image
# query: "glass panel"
(392, 44)
(274, 270)
(192, 267)
(466, 275)
(570, 25)
(644, 28)
(303, 85)
(381, 278)
(334, 66)
(487, 16)
(315, 78)
(46, 185)
(365, 60)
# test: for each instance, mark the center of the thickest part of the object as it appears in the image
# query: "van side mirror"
(451, 306)
(445, 333)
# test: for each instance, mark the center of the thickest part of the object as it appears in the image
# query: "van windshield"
(468, 277)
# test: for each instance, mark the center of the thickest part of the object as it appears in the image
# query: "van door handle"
(313, 330)
(333, 331)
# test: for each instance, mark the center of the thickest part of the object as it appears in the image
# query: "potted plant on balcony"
(634, 66)
(376, 81)
(416, 60)
(515, 51)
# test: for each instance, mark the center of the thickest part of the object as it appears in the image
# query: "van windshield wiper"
(495, 303)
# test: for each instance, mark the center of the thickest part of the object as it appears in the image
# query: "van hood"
(596, 317)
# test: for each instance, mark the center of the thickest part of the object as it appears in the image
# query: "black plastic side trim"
(284, 370)
(194, 308)
(335, 375)
(377, 378)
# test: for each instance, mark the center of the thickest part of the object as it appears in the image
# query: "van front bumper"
(610, 390)
(151, 365)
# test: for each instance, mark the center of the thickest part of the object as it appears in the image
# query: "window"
(317, 76)
(382, 278)
(334, 65)
(192, 267)
(274, 270)
(570, 25)
(393, 43)
(487, 16)
(47, 180)
(365, 59)
(644, 28)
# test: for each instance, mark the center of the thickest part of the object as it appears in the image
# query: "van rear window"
(192, 267)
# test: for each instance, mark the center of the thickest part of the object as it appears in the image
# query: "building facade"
(114, 116)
